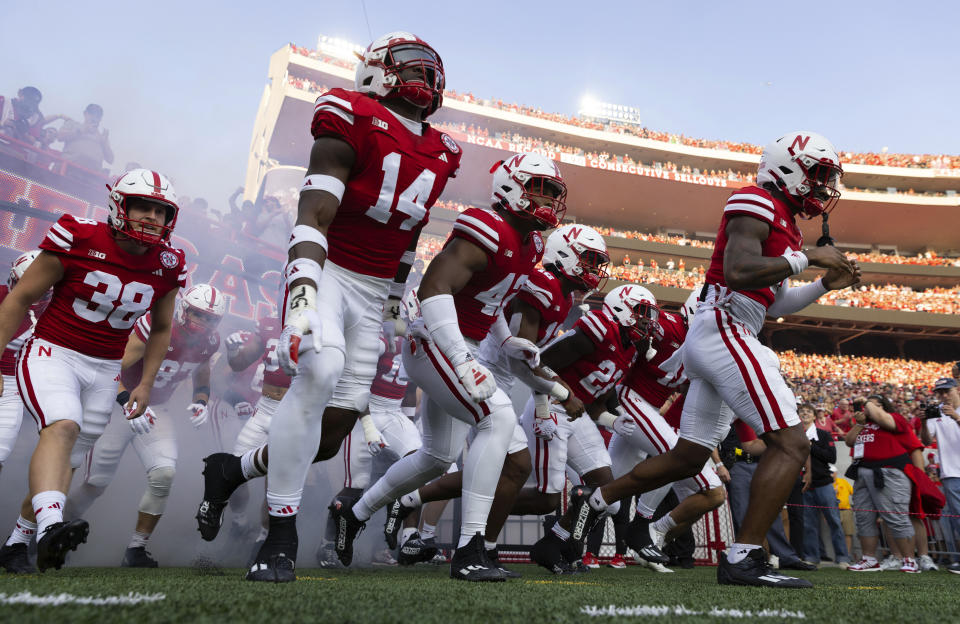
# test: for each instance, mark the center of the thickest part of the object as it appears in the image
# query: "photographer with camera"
(882, 441)
(942, 423)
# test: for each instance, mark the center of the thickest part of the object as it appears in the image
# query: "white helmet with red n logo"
(149, 186)
(633, 307)
(20, 265)
(806, 168)
(208, 305)
(530, 186)
(382, 64)
(579, 253)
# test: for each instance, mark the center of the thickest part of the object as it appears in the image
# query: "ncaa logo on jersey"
(169, 259)
(450, 143)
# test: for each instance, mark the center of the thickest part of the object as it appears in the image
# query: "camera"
(931, 410)
(858, 404)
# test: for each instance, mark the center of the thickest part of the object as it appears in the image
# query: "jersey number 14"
(412, 201)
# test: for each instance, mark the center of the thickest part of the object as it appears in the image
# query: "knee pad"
(159, 482)
(432, 462)
(323, 368)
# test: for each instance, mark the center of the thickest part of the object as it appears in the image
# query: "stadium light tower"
(597, 110)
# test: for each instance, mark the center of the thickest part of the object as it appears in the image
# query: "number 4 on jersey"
(412, 201)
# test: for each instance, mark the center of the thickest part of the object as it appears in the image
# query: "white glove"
(142, 423)
(198, 414)
(477, 380)
(244, 410)
(521, 349)
(375, 440)
(393, 323)
(236, 340)
(544, 422)
(301, 318)
(622, 424)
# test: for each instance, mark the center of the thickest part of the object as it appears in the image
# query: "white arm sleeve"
(538, 384)
(499, 330)
(791, 300)
(440, 317)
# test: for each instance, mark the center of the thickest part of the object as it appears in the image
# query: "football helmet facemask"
(400, 64)
(147, 185)
(806, 168)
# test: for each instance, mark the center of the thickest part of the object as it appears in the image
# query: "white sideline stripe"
(335, 100)
(54, 600)
(339, 112)
(480, 225)
(665, 610)
(752, 197)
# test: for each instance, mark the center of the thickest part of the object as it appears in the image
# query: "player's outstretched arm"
(155, 351)
(243, 349)
(566, 350)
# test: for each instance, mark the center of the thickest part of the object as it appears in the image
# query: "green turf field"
(425, 595)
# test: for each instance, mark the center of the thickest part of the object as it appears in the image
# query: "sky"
(180, 82)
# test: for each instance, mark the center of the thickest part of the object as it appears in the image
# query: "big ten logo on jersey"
(498, 295)
(110, 300)
(411, 202)
(172, 369)
(602, 379)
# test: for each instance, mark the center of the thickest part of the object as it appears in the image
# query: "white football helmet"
(633, 307)
(208, 305)
(20, 265)
(411, 305)
(382, 65)
(689, 307)
(148, 185)
(530, 185)
(580, 254)
(806, 168)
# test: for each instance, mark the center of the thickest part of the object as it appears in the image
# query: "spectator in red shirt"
(843, 416)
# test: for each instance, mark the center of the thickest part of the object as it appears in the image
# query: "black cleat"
(548, 552)
(799, 564)
(15, 559)
(638, 538)
(396, 512)
(222, 475)
(470, 563)
(59, 538)
(327, 556)
(417, 550)
(494, 557)
(138, 558)
(584, 517)
(347, 528)
(278, 568)
(754, 570)
(276, 561)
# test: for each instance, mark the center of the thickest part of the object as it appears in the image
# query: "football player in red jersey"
(575, 260)
(482, 266)
(758, 249)
(375, 170)
(104, 277)
(193, 341)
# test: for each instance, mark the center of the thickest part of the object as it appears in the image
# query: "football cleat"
(59, 538)
(590, 560)
(584, 516)
(396, 512)
(494, 556)
(138, 558)
(548, 552)
(278, 568)
(756, 571)
(346, 528)
(954, 568)
(221, 477)
(276, 561)
(656, 567)
(15, 559)
(617, 562)
(417, 550)
(642, 538)
(470, 563)
(327, 556)
(383, 558)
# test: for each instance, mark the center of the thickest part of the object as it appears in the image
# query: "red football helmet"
(147, 185)
(400, 64)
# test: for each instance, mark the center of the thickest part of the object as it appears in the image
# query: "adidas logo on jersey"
(443, 157)
(379, 123)
(158, 272)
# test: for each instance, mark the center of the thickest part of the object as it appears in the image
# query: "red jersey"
(653, 380)
(269, 331)
(510, 259)
(753, 201)
(389, 382)
(879, 444)
(8, 360)
(543, 292)
(396, 177)
(675, 412)
(104, 289)
(593, 376)
(186, 352)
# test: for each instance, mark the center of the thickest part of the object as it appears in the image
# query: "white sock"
(428, 531)
(48, 508)
(23, 532)
(664, 524)
(560, 532)
(411, 500)
(464, 540)
(139, 539)
(283, 505)
(406, 533)
(738, 552)
(249, 466)
(597, 502)
(489, 545)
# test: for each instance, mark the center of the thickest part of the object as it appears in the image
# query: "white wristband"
(797, 259)
(606, 419)
(306, 234)
(409, 412)
(559, 392)
(303, 268)
(328, 183)
(370, 431)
